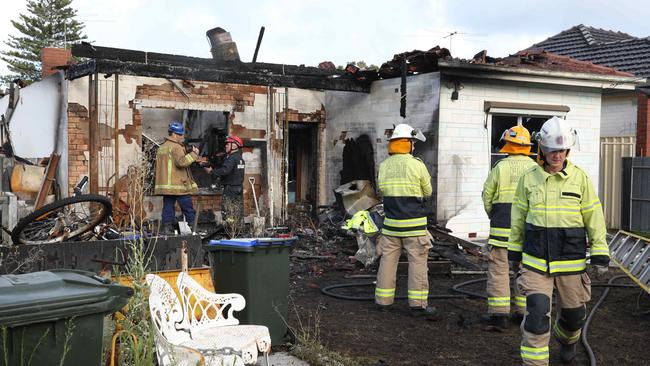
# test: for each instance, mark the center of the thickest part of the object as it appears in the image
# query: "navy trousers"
(169, 210)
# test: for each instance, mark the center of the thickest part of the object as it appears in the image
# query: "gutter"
(513, 73)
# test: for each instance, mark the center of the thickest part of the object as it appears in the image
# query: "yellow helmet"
(517, 140)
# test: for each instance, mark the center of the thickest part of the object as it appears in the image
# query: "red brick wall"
(207, 203)
(643, 125)
(78, 138)
(239, 96)
(51, 57)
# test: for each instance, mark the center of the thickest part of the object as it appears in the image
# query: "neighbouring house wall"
(618, 115)
(252, 117)
(464, 150)
(643, 125)
(363, 122)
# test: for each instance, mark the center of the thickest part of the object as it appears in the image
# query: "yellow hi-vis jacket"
(404, 182)
(498, 193)
(551, 217)
(173, 176)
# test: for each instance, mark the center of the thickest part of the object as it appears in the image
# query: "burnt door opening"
(302, 162)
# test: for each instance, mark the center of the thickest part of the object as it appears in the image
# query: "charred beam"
(216, 75)
(119, 54)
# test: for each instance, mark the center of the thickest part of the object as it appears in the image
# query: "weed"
(308, 345)
(69, 328)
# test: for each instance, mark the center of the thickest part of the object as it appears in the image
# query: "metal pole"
(259, 42)
(92, 132)
(116, 136)
(285, 156)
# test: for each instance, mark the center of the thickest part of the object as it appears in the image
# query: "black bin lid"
(56, 294)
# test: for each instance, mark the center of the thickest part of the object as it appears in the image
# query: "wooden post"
(50, 173)
(93, 130)
(184, 256)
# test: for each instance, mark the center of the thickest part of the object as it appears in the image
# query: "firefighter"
(404, 183)
(554, 211)
(498, 191)
(231, 174)
(173, 177)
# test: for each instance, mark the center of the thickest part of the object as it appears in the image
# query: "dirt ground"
(619, 332)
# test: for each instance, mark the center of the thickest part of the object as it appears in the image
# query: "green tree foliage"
(48, 23)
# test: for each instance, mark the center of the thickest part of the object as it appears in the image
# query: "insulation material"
(37, 110)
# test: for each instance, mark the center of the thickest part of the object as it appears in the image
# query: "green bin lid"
(51, 295)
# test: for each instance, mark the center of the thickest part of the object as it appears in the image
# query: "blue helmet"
(176, 127)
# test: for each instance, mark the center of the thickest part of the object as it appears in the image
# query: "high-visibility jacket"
(498, 193)
(173, 176)
(552, 215)
(404, 182)
(362, 220)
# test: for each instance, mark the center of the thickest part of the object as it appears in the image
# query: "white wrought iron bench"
(179, 343)
(211, 316)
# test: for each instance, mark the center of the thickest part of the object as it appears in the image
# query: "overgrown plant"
(308, 345)
(233, 222)
(136, 336)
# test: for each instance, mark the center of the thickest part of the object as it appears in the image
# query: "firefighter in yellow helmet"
(556, 218)
(404, 183)
(498, 193)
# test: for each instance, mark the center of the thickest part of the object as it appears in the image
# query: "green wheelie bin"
(50, 316)
(257, 269)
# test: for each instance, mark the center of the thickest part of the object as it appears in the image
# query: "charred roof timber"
(140, 63)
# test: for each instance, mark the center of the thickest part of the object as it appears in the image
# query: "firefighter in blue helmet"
(174, 180)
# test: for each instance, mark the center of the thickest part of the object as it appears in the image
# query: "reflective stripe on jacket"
(404, 182)
(498, 193)
(173, 176)
(552, 215)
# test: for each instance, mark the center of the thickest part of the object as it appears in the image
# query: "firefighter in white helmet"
(404, 183)
(498, 192)
(556, 218)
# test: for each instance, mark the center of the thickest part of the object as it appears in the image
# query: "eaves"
(519, 74)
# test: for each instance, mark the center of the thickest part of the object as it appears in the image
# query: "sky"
(308, 32)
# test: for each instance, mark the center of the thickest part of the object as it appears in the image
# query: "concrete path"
(281, 359)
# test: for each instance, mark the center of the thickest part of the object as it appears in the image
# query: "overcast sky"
(308, 32)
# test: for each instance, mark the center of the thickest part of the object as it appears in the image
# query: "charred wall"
(362, 123)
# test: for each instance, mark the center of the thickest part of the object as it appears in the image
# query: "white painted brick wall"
(618, 115)
(464, 155)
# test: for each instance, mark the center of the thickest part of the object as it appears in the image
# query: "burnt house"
(308, 130)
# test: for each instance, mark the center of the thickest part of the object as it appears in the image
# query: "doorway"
(302, 162)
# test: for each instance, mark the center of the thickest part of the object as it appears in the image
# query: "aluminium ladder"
(632, 254)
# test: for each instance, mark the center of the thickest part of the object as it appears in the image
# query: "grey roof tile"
(602, 47)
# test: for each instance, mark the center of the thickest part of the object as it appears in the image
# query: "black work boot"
(384, 308)
(430, 313)
(495, 320)
(517, 318)
(567, 352)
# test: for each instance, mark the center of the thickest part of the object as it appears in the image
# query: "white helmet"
(556, 134)
(404, 131)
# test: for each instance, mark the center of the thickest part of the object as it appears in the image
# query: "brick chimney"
(643, 122)
(53, 57)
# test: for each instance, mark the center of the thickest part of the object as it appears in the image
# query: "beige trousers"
(573, 291)
(417, 250)
(498, 285)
